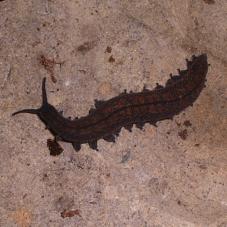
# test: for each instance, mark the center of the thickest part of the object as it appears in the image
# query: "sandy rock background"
(172, 175)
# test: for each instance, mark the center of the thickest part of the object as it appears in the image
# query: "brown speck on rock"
(111, 59)
(202, 166)
(93, 202)
(108, 49)
(183, 134)
(70, 213)
(82, 71)
(49, 66)
(86, 46)
(209, 1)
(187, 123)
(53, 78)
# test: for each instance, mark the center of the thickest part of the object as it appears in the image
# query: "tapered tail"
(31, 111)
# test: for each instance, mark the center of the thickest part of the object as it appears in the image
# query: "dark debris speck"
(86, 46)
(70, 213)
(209, 1)
(187, 123)
(111, 59)
(183, 134)
(108, 49)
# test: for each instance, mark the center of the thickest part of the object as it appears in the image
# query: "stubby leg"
(76, 146)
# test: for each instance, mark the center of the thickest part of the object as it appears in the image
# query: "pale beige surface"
(166, 180)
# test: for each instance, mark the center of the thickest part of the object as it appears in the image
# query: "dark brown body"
(127, 109)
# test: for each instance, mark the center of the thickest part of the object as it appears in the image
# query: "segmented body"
(147, 106)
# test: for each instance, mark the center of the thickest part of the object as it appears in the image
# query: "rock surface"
(172, 175)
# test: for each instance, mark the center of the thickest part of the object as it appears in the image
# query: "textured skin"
(148, 106)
